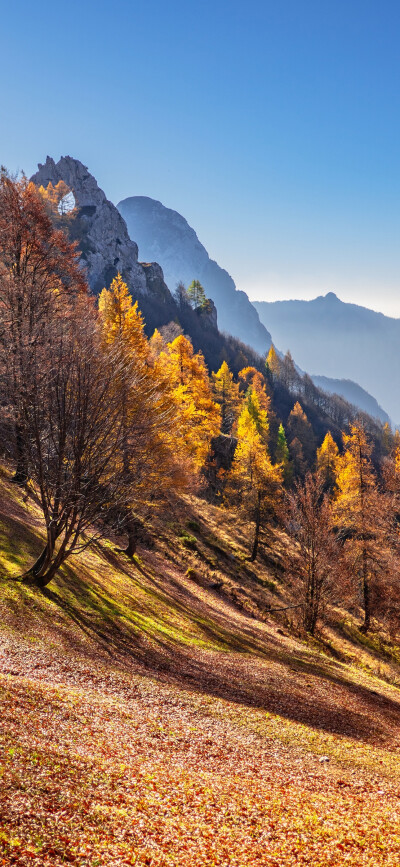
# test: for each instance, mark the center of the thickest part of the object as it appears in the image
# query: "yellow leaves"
(197, 415)
(327, 460)
(252, 464)
(226, 393)
(122, 319)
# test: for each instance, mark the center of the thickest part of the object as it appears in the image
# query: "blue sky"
(273, 127)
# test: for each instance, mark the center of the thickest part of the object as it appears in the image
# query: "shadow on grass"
(253, 673)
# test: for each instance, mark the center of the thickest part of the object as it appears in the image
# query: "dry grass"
(154, 713)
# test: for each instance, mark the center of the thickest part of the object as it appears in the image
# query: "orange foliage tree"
(253, 480)
(361, 511)
(197, 416)
(150, 460)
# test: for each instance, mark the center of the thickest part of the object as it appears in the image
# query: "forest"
(108, 427)
(199, 570)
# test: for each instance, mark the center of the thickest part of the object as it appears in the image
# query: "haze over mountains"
(108, 244)
(332, 338)
(165, 236)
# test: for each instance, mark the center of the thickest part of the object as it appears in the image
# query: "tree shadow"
(253, 671)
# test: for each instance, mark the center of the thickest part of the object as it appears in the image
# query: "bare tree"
(311, 560)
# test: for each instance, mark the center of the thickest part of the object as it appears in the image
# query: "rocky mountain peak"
(99, 228)
(165, 235)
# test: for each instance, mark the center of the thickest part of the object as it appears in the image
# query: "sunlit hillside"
(154, 712)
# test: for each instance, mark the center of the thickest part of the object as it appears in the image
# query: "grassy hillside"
(156, 713)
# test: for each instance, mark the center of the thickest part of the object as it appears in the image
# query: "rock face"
(165, 236)
(101, 232)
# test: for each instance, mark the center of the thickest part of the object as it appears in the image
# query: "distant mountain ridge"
(340, 340)
(354, 394)
(165, 236)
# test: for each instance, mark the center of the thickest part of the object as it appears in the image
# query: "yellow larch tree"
(327, 461)
(253, 479)
(198, 417)
(361, 512)
(151, 461)
(273, 364)
(226, 395)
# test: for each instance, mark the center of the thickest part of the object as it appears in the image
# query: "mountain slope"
(331, 338)
(165, 236)
(354, 394)
(150, 718)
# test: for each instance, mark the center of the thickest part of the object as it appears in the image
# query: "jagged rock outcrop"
(164, 235)
(102, 235)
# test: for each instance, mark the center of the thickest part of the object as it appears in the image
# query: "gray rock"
(99, 228)
(164, 235)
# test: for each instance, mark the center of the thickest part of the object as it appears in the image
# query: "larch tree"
(327, 461)
(253, 479)
(362, 514)
(197, 415)
(226, 395)
(311, 561)
(147, 411)
(299, 429)
(273, 364)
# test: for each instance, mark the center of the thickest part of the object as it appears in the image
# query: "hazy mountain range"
(108, 244)
(165, 236)
(331, 338)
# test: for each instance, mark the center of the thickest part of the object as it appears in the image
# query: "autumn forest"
(194, 538)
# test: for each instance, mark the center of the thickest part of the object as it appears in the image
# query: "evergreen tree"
(196, 294)
(282, 454)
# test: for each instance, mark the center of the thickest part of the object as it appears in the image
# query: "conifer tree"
(273, 364)
(312, 561)
(327, 460)
(300, 429)
(196, 294)
(198, 417)
(253, 478)
(361, 511)
(149, 456)
(226, 395)
(282, 454)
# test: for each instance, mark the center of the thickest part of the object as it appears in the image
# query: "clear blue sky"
(273, 127)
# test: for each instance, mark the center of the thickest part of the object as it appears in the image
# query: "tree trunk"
(256, 534)
(21, 471)
(44, 561)
(366, 594)
(133, 526)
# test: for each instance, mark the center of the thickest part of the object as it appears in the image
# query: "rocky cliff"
(107, 248)
(165, 236)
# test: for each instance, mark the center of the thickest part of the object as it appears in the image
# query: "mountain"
(106, 248)
(353, 393)
(340, 340)
(165, 236)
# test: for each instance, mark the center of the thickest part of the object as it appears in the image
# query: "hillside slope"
(154, 713)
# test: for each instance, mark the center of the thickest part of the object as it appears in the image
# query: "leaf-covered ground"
(152, 714)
